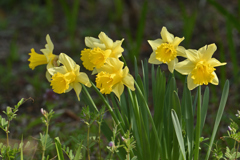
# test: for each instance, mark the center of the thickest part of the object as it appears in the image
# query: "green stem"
(89, 97)
(7, 132)
(88, 151)
(109, 108)
(237, 151)
(197, 130)
(99, 140)
(44, 147)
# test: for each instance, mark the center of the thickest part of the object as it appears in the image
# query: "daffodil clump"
(199, 65)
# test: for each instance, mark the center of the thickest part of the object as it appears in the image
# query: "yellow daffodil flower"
(46, 58)
(68, 76)
(112, 78)
(200, 66)
(166, 50)
(95, 57)
(100, 50)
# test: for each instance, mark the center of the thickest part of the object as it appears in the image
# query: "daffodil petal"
(112, 65)
(155, 43)
(54, 70)
(181, 51)
(166, 36)
(177, 41)
(49, 44)
(192, 55)
(207, 55)
(105, 39)
(77, 88)
(190, 83)
(215, 80)
(48, 76)
(83, 78)
(67, 61)
(171, 65)
(129, 81)
(89, 41)
(118, 89)
(215, 63)
(185, 67)
(202, 49)
(117, 49)
(153, 59)
(100, 45)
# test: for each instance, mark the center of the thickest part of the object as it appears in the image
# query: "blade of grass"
(219, 116)
(178, 132)
(59, 149)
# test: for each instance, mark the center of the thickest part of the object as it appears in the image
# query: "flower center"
(104, 82)
(166, 53)
(98, 57)
(202, 73)
(60, 82)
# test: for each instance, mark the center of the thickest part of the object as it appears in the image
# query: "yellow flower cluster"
(62, 72)
(199, 65)
(102, 58)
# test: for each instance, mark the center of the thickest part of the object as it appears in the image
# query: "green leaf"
(59, 149)
(178, 132)
(219, 116)
(78, 154)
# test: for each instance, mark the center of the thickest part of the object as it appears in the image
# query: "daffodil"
(100, 50)
(166, 50)
(200, 66)
(105, 43)
(95, 57)
(68, 76)
(46, 58)
(112, 78)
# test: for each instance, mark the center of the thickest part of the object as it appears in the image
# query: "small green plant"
(8, 151)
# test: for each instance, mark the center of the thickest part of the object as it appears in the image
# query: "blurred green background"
(24, 25)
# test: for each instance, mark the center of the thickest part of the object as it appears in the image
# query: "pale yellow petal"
(129, 81)
(117, 49)
(106, 40)
(48, 76)
(191, 85)
(49, 44)
(67, 61)
(83, 78)
(112, 65)
(166, 36)
(215, 63)
(171, 65)
(155, 43)
(185, 67)
(207, 55)
(181, 51)
(153, 59)
(203, 49)
(89, 41)
(54, 70)
(77, 87)
(118, 89)
(47, 51)
(192, 55)
(215, 80)
(177, 41)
